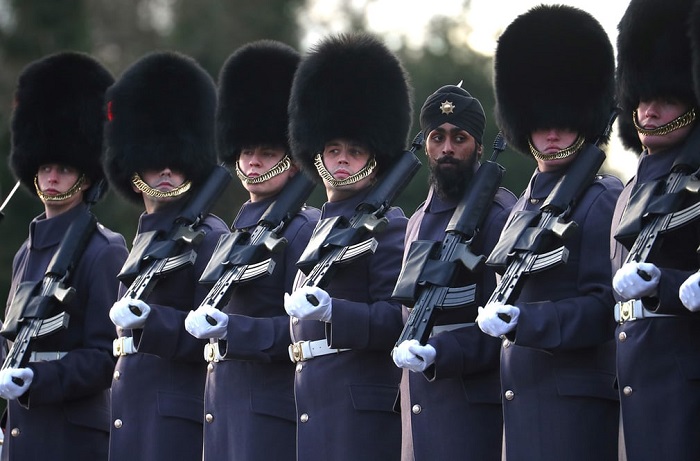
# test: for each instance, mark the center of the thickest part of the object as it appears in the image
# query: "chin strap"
(57, 198)
(679, 122)
(360, 175)
(280, 167)
(141, 185)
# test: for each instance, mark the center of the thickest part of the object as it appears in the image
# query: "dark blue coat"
(658, 359)
(157, 393)
(345, 401)
(453, 410)
(250, 394)
(557, 367)
(65, 414)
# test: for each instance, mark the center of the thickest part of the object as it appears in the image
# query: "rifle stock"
(240, 257)
(522, 250)
(337, 240)
(27, 316)
(155, 255)
(436, 292)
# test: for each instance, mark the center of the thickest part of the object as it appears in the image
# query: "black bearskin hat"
(352, 87)
(554, 68)
(58, 116)
(160, 113)
(654, 60)
(254, 86)
(695, 48)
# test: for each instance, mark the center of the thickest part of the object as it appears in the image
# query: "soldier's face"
(163, 180)
(550, 141)
(55, 179)
(342, 159)
(658, 112)
(451, 153)
(255, 161)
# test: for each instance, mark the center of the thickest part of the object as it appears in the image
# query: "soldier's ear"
(479, 151)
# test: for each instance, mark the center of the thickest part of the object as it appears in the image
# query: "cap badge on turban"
(447, 107)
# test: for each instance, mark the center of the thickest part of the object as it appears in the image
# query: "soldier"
(452, 409)
(554, 93)
(61, 411)
(658, 344)
(350, 113)
(249, 397)
(160, 149)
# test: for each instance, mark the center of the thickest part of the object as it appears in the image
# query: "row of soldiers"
(301, 361)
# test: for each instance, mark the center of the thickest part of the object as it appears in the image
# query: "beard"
(450, 176)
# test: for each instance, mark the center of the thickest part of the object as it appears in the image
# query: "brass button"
(622, 336)
(15, 432)
(210, 367)
(509, 395)
(534, 201)
(117, 423)
(116, 375)
(304, 417)
(295, 321)
(416, 409)
(627, 390)
(506, 343)
(299, 367)
(209, 417)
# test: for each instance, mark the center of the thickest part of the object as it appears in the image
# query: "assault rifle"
(521, 249)
(241, 256)
(431, 267)
(34, 301)
(337, 241)
(655, 207)
(156, 254)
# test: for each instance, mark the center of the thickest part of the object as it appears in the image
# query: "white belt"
(124, 345)
(211, 352)
(437, 329)
(301, 351)
(634, 310)
(46, 356)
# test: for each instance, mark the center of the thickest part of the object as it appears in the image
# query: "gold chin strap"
(360, 175)
(155, 193)
(57, 198)
(679, 122)
(569, 151)
(280, 167)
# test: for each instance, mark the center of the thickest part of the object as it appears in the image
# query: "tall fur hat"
(58, 116)
(352, 87)
(695, 47)
(654, 59)
(554, 68)
(160, 113)
(254, 86)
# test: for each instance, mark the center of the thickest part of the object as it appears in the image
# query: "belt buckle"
(627, 311)
(296, 353)
(119, 346)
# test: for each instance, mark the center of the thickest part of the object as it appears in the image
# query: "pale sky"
(487, 18)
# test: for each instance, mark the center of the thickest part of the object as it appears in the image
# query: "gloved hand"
(630, 283)
(491, 324)
(9, 389)
(199, 323)
(129, 313)
(690, 292)
(412, 356)
(309, 303)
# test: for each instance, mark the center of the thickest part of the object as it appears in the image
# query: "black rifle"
(529, 233)
(655, 207)
(156, 254)
(34, 301)
(243, 256)
(337, 240)
(431, 267)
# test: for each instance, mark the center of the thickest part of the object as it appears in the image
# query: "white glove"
(491, 324)
(629, 284)
(302, 305)
(9, 389)
(412, 356)
(199, 323)
(129, 313)
(690, 293)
